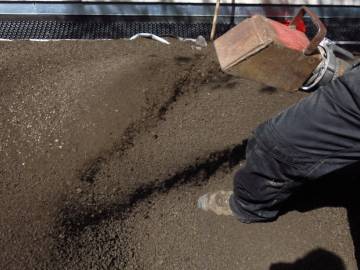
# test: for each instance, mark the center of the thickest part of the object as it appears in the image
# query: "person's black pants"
(318, 135)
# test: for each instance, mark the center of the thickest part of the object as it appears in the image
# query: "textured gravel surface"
(106, 145)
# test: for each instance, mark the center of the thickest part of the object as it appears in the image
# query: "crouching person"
(316, 136)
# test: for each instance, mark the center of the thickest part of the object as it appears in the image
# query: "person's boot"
(217, 202)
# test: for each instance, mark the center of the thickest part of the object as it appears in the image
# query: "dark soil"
(105, 147)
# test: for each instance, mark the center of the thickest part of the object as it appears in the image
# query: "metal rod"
(216, 12)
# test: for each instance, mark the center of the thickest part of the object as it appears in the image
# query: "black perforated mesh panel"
(47, 29)
(95, 28)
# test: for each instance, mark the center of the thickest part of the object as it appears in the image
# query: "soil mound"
(106, 147)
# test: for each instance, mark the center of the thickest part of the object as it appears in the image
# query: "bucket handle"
(321, 29)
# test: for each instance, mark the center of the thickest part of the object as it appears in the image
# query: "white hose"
(149, 35)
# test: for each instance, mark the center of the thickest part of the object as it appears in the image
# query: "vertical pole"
(216, 12)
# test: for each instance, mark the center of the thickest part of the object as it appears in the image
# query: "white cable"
(152, 36)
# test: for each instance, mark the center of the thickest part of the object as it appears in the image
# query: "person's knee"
(260, 186)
